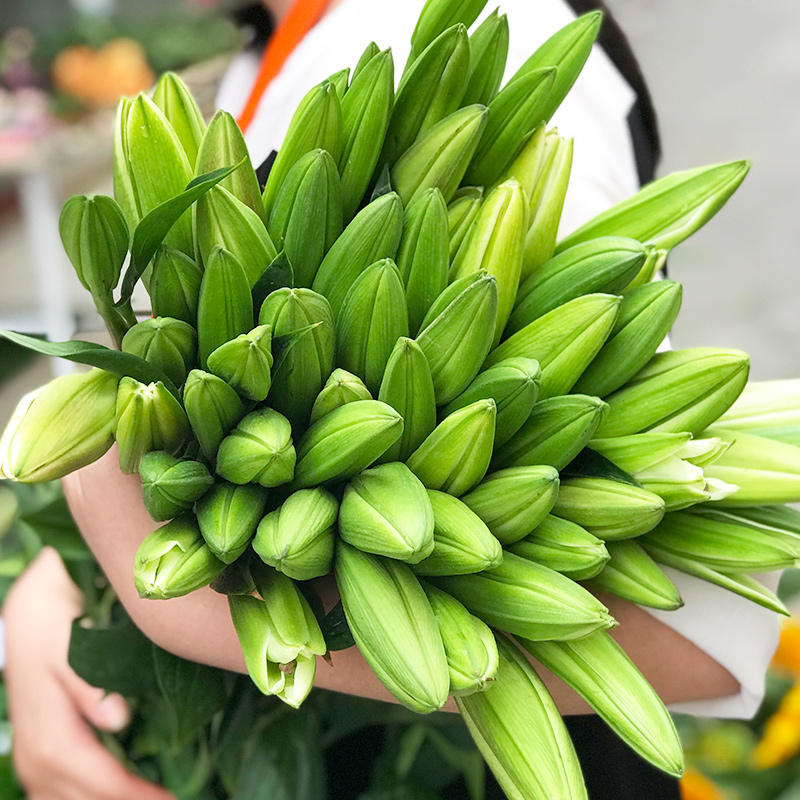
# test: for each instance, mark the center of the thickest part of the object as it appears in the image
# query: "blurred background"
(722, 74)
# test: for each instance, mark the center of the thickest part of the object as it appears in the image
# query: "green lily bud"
(407, 386)
(366, 109)
(514, 501)
(654, 263)
(488, 51)
(766, 472)
(370, 51)
(453, 333)
(225, 307)
(461, 214)
(306, 218)
(385, 510)
(60, 427)
(547, 202)
(258, 450)
(175, 100)
(373, 234)
(513, 384)
(171, 486)
(317, 123)
(668, 210)
(223, 146)
(564, 547)
(767, 408)
(297, 538)
(280, 638)
(340, 81)
(528, 167)
(148, 418)
(342, 443)
(213, 409)
(223, 221)
(495, 245)
(640, 450)
(513, 113)
(527, 599)
(461, 541)
(598, 669)
(430, 89)
(567, 50)
(423, 258)
(468, 644)
(521, 734)
(441, 155)
(174, 560)
(601, 265)
(372, 317)
(632, 575)
(307, 365)
(95, 238)
(150, 167)
(340, 388)
(456, 455)
(394, 627)
(228, 516)
(679, 390)
(609, 509)
(723, 542)
(245, 363)
(439, 15)
(175, 285)
(555, 432)
(170, 344)
(564, 341)
(646, 315)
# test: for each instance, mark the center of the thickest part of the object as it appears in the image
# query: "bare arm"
(107, 506)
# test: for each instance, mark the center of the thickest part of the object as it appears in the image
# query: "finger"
(108, 712)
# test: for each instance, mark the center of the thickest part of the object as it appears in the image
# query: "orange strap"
(299, 20)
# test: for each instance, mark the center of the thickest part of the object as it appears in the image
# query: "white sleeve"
(735, 632)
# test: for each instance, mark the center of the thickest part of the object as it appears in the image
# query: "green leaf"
(235, 578)
(589, 464)
(193, 692)
(54, 526)
(277, 275)
(153, 227)
(116, 658)
(289, 766)
(95, 355)
(400, 791)
(335, 629)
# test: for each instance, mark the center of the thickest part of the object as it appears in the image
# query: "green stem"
(115, 322)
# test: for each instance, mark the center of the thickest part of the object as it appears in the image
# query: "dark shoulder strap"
(642, 118)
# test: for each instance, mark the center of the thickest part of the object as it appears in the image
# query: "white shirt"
(735, 632)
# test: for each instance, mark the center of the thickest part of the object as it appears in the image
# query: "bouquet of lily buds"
(383, 365)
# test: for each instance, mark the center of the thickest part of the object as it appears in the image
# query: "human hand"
(53, 711)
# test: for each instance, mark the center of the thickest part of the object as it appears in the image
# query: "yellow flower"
(787, 656)
(781, 739)
(695, 786)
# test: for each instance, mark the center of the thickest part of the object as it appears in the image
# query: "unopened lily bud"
(468, 644)
(228, 515)
(280, 638)
(462, 543)
(170, 344)
(767, 408)
(297, 538)
(258, 450)
(175, 285)
(173, 97)
(174, 560)
(513, 501)
(213, 409)
(148, 418)
(340, 388)
(386, 510)
(95, 238)
(245, 363)
(60, 427)
(170, 486)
